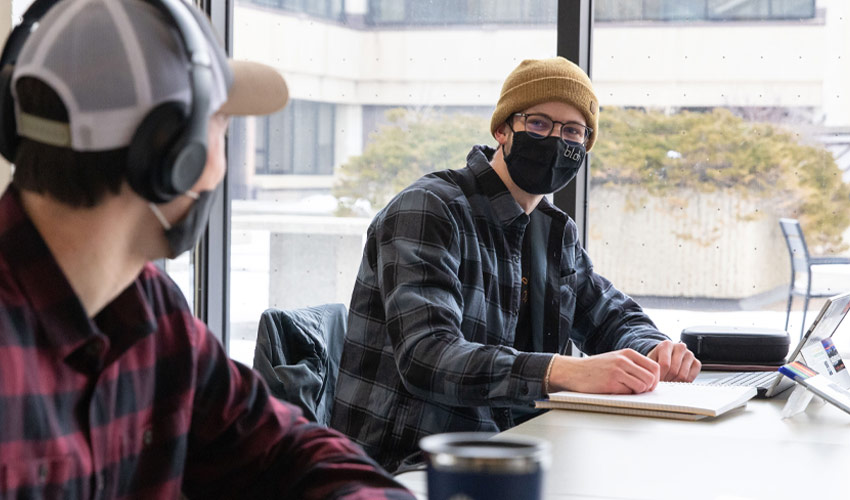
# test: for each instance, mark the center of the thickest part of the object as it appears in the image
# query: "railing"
(325, 9)
(459, 12)
(702, 10)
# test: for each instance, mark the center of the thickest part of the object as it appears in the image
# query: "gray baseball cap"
(113, 61)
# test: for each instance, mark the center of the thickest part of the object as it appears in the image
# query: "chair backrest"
(298, 353)
(797, 249)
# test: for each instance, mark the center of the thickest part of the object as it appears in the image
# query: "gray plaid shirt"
(433, 316)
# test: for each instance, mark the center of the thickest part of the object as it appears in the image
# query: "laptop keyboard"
(754, 379)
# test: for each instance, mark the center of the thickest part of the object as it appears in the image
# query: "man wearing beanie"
(114, 113)
(472, 286)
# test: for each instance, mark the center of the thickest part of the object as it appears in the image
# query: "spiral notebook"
(669, 400)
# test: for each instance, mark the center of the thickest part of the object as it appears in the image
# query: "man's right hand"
(618, 372)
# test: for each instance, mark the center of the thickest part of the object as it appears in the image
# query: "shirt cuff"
(528, 374)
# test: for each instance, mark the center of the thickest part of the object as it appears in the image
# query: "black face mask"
(183, 235)
(543, 166)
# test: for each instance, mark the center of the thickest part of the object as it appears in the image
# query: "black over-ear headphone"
(168, 151)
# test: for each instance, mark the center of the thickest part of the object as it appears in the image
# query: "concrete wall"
(308, 260)
(709, 245)
(687, 244)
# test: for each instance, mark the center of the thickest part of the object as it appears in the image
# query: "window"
(669, 91)
(709, 133)
(365, 98)
(298, 140)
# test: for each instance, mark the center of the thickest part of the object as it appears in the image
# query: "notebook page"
(668, 396)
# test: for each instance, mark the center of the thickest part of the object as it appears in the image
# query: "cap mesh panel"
(90, 59)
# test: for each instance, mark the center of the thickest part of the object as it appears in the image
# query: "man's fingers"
(633, 384)
(675, 361)
(694, 370)
(641, 372)
(644, 362)
(677, 357)
(662, 355)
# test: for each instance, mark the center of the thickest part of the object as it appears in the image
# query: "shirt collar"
(65, 326)
(506, 207)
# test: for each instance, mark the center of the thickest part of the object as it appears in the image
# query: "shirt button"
(147, 437)
(516, 258)
(42, 472)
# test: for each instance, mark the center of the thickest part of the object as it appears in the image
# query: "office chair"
(802, 264)
(298, 353)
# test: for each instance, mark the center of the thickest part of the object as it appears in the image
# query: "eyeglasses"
(539, 126)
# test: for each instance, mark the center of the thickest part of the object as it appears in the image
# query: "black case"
(734, 344)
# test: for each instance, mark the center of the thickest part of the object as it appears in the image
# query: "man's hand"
(677, 363)
(618, 372)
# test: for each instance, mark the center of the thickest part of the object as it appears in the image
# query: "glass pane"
(182, 271)
(709, 133)
(373, 107)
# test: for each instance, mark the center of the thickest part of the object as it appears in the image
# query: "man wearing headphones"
(114, 114)
(472, 287)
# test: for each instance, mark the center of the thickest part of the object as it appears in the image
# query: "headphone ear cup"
(188, 158)
(149, 157)
(9, 138)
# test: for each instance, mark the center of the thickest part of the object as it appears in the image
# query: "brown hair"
(76, 178)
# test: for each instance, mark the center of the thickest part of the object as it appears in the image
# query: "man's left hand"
(677, 363)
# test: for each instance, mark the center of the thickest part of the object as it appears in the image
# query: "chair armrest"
(817, 261)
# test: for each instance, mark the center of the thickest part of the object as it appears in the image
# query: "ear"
(501, 133)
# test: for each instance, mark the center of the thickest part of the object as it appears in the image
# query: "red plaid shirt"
(141, 401)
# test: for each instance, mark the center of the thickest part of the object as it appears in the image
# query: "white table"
(749, 453)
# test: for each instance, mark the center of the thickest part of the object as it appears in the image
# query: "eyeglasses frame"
(587, 130)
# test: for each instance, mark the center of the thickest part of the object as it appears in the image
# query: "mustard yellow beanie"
(537, 81)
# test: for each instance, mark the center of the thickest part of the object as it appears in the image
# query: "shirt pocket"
(41, 477)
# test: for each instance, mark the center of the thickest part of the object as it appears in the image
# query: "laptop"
(770, 383)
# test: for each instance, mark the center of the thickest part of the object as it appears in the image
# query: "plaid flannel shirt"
(434, 312)
(141, 401)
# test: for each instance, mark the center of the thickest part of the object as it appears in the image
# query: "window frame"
(212, 254)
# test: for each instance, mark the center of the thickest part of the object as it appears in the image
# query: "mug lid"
(482, 451)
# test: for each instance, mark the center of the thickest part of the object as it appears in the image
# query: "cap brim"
(257, 89)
